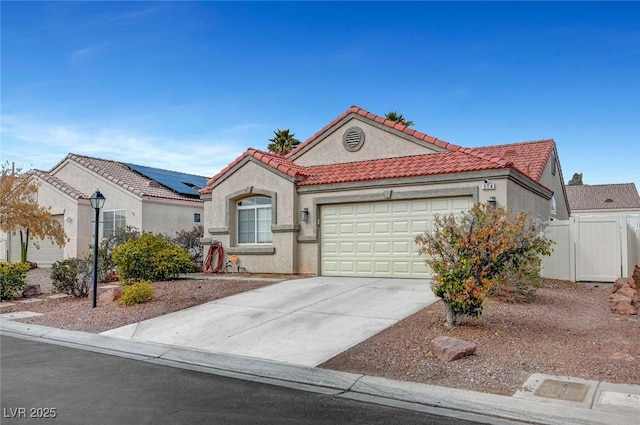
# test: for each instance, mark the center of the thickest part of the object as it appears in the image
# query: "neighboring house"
(603, 199)
(146, 198)
(350, 200)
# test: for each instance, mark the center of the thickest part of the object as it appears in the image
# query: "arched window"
(254, 221)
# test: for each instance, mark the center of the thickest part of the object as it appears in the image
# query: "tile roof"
(126, 178)
(62, 186)
(391, 168)
(274, 161)
(603, 196)
(528, 158)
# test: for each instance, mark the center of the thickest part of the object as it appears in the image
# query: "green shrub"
(190, 241)
(520, 281)
(13, 278)
(137, 293)
(72, 276)
(151, 257)
(471, 253)
(106, 266)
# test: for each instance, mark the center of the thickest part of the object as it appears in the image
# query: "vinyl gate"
(598, 248)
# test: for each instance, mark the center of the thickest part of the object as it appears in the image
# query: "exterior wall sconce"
(492, 201)
(304, 214)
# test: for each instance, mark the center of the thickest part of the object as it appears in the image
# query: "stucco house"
(147, 198)
(350, 199)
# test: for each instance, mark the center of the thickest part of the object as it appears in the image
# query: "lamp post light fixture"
(97, 202)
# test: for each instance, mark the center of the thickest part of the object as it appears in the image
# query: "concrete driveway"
(302, 321)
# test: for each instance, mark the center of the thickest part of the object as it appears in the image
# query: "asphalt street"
(43, 383)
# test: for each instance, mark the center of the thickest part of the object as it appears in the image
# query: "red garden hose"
(215, 250)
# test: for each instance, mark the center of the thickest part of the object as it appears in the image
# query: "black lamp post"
(97, 202)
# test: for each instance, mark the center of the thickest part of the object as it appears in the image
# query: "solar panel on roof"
(182, 183)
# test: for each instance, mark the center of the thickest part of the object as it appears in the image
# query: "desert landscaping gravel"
(567, 330)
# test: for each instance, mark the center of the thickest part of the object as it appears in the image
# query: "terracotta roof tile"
(529, 158)
(389, 168)
(603, 196)
(275, 161)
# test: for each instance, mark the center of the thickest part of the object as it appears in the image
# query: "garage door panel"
(364, 247)
(400, 227)
(377, 238)
(402, 247)
(363, 228)
(382, 247)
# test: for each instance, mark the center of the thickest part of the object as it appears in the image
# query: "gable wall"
(379, 142)
(249, 180)
(117, 198)
(555, 183)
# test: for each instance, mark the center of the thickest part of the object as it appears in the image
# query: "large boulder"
(110, 294)
(447, 348)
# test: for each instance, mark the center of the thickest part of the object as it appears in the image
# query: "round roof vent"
(353, 139)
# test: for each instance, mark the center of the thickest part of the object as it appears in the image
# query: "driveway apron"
(302, 321)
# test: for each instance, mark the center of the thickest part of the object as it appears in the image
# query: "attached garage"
(376, 239)
(48, 253)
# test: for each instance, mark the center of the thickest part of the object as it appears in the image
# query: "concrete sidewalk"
(302, 321)
(603, 403)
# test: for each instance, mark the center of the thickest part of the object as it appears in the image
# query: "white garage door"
(377, 238)
(48, 253)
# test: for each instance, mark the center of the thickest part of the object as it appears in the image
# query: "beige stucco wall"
(169, 216)
(297, 251)
(252, 179)
(553, 181)
(378, 144)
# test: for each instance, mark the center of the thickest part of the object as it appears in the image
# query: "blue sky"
(189, 86)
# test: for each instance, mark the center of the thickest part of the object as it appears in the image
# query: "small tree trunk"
(453, 319)
(24, 246)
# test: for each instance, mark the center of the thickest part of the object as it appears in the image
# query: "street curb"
(408, 395)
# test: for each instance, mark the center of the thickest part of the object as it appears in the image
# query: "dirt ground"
(567, 330)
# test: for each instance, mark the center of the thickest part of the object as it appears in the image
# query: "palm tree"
(396, 117)
(283, 142)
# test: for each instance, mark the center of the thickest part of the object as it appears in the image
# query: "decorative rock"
(618, 298)
(32, 290)
(630, 293)
(633, 283)
(110, 294)
(449, 349)
(636, 276)
(621, 282)
(624, 308)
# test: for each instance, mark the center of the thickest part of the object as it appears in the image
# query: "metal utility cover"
(562, 390)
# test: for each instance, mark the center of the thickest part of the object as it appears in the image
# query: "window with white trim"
(254, 221)
(112, 221)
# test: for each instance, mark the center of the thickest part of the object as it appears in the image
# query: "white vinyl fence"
(597, 248)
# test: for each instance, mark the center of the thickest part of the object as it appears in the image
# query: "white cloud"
(32, 143)
(81, 55)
